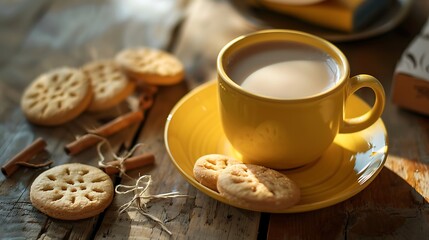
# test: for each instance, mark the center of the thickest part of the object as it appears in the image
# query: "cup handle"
(364, 121)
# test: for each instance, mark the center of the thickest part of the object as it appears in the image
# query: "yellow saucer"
(193, 129)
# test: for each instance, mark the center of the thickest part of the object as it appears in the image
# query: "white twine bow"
(140, 189)
(142, 197)
(121, 159)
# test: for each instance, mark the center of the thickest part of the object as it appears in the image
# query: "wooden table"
(38, 35)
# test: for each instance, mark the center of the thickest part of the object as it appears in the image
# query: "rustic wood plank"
(132, 225)
(201, 215)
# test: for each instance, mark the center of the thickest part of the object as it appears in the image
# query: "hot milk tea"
(283, 70)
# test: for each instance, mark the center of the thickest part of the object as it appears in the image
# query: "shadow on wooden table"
(388, 207)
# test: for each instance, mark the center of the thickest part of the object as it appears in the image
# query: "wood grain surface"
(38, 35)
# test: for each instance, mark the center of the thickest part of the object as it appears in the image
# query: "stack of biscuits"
(62, 94)
(246, 185)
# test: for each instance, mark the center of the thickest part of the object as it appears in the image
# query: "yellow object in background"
(343, 15)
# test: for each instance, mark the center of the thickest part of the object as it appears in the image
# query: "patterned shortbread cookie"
(207, 168)
(257, 188)
(151, 66)
(110, 85)
(56, 97)
(72, 191)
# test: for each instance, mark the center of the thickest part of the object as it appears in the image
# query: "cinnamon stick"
(24, 155)
(131, 163)
(147, 95)
(118, 124)
(145, 101)
(81, 144)
(105, 130)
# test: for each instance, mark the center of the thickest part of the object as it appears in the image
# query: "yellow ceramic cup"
(290, 133)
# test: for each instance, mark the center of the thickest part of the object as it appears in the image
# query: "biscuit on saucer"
(257, 188)
(207, 168)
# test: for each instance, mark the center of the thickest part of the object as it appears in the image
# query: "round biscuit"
(72, 191)
(110, 85)
(56, 97)
(257, 188)
(206, 168)
(151, 66)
